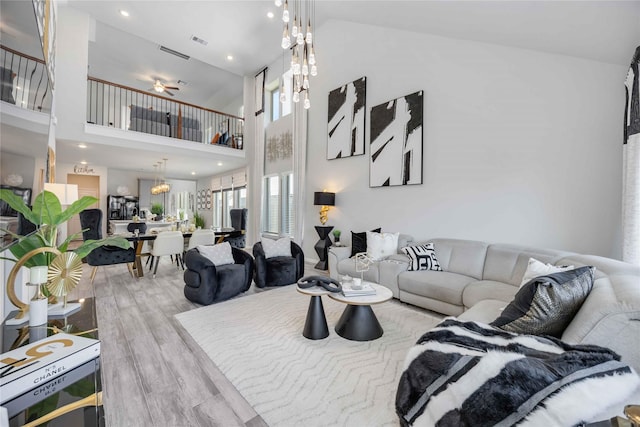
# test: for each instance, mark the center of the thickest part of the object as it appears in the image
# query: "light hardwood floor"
(153, 373)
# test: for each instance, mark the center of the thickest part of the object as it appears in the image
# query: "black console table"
(322, 246)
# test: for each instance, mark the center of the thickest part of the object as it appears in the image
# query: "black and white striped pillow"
(422, 257)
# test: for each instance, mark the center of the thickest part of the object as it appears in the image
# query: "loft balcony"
(115, 115)
(132, 110)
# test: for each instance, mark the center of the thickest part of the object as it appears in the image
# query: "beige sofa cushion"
(487, 289)
(439, 285)
(507, 263)
(460, 256)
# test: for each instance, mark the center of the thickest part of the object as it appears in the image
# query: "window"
(279, 212)
(271, 223)
(280, 109)
(275, 104)
(224, 201)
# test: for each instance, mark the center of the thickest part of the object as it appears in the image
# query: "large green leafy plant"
(47, 215)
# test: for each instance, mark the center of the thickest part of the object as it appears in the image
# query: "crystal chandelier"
(303, 57)
(160, 185)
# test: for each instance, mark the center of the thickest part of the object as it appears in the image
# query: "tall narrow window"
(271, 204)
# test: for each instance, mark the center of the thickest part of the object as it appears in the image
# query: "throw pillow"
(381, 245)
(546, 305)
(273, 248)
(219, 254)
(422, 257)
(359, 241)
(537, 268)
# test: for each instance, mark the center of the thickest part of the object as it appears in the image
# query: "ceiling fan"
(160, 87)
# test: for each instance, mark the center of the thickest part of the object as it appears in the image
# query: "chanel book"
(34, 364)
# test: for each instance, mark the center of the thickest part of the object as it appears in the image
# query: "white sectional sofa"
(479, 279)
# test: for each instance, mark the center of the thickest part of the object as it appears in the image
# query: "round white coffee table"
(315, 327)
(358, 321)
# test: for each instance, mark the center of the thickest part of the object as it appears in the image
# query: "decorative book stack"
(30, 366)
(364, 289)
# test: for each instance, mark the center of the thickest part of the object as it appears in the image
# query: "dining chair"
(140, 226)
(201, 237)
(168, 243)
(147, 244)
(91, 223)
(237, 238)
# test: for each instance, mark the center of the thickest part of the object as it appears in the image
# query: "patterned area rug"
(257, 342)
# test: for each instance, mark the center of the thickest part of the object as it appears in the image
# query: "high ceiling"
(126, 49)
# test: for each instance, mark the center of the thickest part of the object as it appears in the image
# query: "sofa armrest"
(335, 255)
(201, 266)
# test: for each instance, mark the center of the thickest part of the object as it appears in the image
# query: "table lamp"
(324, 199)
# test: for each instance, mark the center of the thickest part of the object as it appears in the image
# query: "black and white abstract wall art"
(346, 120)
(396, 142)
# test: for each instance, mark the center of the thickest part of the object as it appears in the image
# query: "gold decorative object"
(11, 292)
(64, 275)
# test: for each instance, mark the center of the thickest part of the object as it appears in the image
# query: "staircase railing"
(24, 81)
(122, 107)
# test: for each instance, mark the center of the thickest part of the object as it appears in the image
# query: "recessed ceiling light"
(219, 163)
(124, 13)
(270, 15)
(82, 146)
(229, 57)
(193, 173)
(83, 162)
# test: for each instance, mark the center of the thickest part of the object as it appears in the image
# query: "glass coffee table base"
(359, 323)
(315, 327)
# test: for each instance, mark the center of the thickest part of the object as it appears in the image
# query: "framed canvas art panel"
(346, 120)
(396, 142)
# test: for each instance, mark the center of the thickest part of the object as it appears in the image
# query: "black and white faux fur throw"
(472, 374)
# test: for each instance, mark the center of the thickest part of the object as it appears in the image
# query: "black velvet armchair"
(205, 283)
(237, 238)
(278, 271)
(91, 223)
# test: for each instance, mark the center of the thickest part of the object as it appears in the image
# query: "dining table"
(138, 242)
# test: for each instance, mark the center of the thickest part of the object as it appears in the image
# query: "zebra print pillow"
(422, 257)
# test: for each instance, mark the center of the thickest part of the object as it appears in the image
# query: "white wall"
(72, 60)
(119, 177)
(20, 165)
(519, 146)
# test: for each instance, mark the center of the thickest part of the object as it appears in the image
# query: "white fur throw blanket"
(472, 374)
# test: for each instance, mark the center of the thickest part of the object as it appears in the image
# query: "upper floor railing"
(24, 81)
(122, 107)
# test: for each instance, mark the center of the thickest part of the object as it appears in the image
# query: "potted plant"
(157, 210)
(336, 236)
(42, 248)
(198, 220)
(47, 215)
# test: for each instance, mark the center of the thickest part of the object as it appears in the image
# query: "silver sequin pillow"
(546, 304)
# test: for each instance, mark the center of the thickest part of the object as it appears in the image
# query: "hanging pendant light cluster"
(303, 57)
(160, 185)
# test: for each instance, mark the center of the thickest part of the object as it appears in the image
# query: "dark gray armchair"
(206, 283)
(91, 223)
(278, 271)
(237, 238)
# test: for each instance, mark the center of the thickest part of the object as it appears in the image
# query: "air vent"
(199, 40)
(174, 52)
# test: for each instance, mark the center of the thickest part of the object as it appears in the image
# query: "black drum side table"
(322, 246)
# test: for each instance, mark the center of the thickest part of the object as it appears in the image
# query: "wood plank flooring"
(153, 373)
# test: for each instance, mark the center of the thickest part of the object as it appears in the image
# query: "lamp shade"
(323, 198)
(66, 193)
